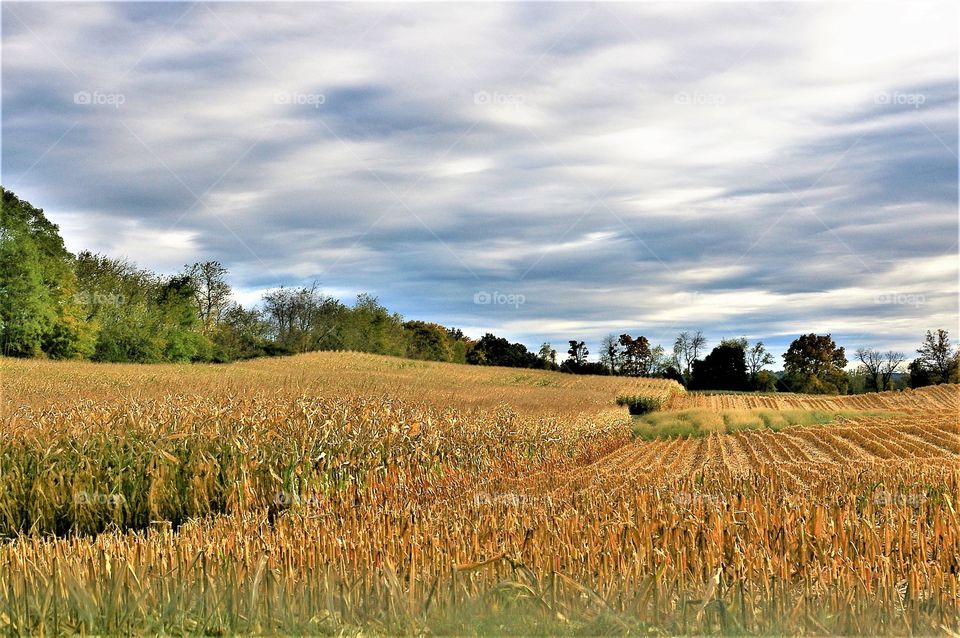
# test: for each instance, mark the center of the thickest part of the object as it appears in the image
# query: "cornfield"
(339, 492)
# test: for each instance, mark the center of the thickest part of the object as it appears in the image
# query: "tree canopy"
(814, 364)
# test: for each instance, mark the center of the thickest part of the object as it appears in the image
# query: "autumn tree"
(429, 341)
(814, 364)
(637, 355)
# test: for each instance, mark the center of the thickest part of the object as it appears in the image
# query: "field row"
(90, 467)
(41, 386)
(929, 399)
(930, 438)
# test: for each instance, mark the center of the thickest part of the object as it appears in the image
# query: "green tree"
(459, 344)
(182, 329)
(814, 364)
(548, 355)
(241, 334)
(372, 328)
(120, 301)
(26, 313)
(39, 311)
(491, 350)
(428, 341)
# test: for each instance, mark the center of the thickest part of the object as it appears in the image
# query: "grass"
(500, 615)
(696, 422)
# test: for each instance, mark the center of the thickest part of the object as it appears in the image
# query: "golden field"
(346, 493)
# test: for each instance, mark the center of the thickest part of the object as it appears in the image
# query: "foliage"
(878, 369)
(240, 334)
(725, 368)
(491, 350)
(211, 292)
(699, 422)
(637, 359)
(640, 404)
(764, 381)
(54, 304)
(548, 355)
(814, 364)
(674, 374)
(433, 342)
(39, 310)
(938, 361)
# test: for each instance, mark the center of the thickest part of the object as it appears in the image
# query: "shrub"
(640, 404)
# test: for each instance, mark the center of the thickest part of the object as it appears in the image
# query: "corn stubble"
(314, 499)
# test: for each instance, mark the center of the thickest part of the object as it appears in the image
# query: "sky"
(542, 171)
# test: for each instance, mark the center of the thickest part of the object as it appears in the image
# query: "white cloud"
(621, 164)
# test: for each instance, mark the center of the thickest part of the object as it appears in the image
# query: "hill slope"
(329, 374)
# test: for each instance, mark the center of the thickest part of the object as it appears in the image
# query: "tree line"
(812, 364)
(59, 305)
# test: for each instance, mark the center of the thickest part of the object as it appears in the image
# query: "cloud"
(760, 169)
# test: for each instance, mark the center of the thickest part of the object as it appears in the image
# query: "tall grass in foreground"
(257, 499)
(708, 553)
(89, 469)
